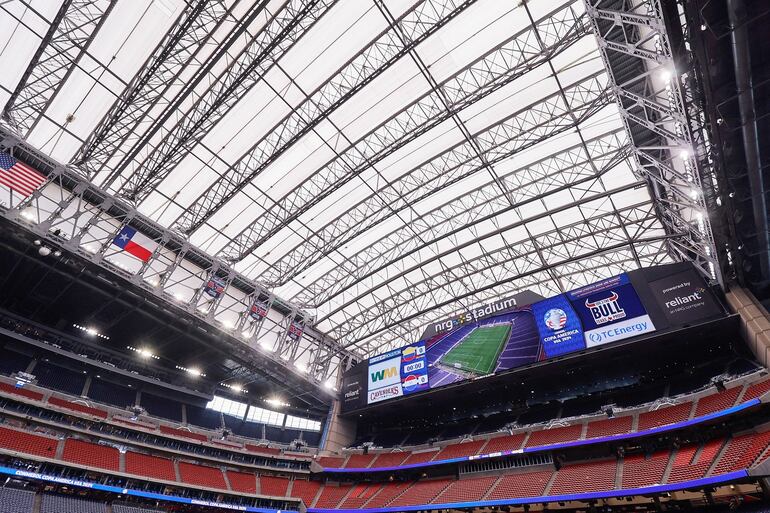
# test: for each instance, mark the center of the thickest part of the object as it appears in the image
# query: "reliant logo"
(382, 374)
(605, 310)
(352, 394)
(683, 300)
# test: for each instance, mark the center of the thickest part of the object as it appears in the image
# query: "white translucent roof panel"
(415, 157)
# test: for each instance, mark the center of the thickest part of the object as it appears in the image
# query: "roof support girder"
(421, 21)
(279, 35)
(72, 30)
(191, 31)
(663, 120)
(520, 130)
(508, 61)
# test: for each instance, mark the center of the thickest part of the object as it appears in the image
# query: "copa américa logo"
(411, 352)
(555, 319)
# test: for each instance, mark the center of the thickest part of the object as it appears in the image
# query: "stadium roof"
(380, 163)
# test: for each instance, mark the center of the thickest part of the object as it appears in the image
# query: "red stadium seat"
(585, 477)
(473, 489)
(24, 392)
(609, 427)
(757, 390)
(420, 457)
(331, 495)
(359, 495)
(503, 443)
(182, 433)
(555, 435)
(390, 459)
(716, 402)
(259, 449)
(305, 490)
(460, 450)
(150, 466)
(742, 452)
(92, 455)
(201, 475)
(274, 486)
(242, 482)
(330, 462)
(640, 470)
(665, 416)
(28, 443)
(360, 460)
(421, 492)
(689, 463)
(70, 405)
(386, 495)
(521, 484)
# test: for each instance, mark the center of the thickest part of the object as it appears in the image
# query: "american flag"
(19, 177)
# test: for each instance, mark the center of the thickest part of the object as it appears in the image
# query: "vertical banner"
(610, 310)
(559, 326)
(214, 287)
(296, 329)
(259, 309)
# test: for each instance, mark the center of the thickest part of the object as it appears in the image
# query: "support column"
(338, 432)
(755, 322)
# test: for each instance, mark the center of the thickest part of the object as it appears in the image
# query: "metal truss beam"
(663, 120)
(190, 33)
(510, 60)
(282, 32)
(522, 129)
(70, 34)
(456, 243)
(77, 216)
(496, 144)
(601, 235)
(421, 21)
(234, 30)
(569, 170)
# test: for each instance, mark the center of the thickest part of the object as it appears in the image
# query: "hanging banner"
(214, 287)
(296, 329)
(258, 309)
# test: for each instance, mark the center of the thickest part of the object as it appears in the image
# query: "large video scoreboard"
(527, 328)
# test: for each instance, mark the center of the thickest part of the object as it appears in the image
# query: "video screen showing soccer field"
(492, 345)
(477, 353)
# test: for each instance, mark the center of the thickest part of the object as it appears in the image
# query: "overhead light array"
(90, 331)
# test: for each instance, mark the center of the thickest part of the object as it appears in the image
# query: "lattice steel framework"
(656, 103)
(77, 216)
(254, 61)
(510, 60)
(130, 114)
(71, 32)
(422, 20)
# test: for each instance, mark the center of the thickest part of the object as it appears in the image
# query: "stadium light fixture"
(90, 331)
(275, 401)
(192, 370)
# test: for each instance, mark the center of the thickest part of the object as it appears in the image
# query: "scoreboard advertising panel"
(513, 332)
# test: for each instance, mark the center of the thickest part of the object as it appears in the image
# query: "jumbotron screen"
(527, 329)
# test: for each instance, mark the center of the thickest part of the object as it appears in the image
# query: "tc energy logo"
(605, 310)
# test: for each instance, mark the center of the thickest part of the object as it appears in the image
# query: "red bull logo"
(605, 310)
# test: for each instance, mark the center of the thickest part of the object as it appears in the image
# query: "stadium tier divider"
(625, 420)
(76, 406)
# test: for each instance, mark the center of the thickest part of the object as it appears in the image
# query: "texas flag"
(134, 243)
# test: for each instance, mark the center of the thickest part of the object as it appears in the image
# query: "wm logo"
(384, 373)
